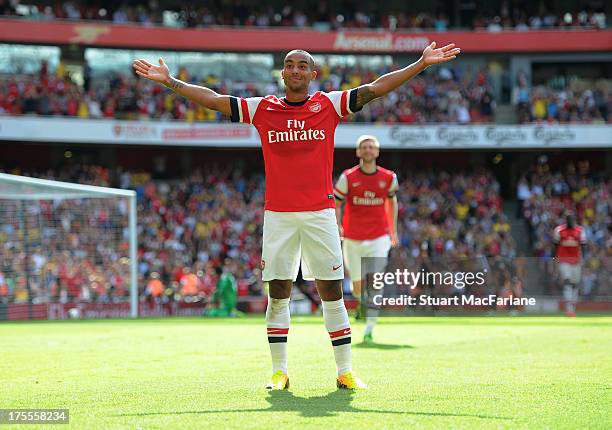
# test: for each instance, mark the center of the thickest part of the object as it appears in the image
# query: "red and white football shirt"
(298, 146)
(365, 195)
(568, 242)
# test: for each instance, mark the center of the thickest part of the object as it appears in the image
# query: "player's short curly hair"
(310, 58)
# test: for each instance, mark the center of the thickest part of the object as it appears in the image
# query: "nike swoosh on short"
(336, 267)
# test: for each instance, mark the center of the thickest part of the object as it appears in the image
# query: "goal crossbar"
(79, 189)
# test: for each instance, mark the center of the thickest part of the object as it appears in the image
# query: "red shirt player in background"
(570, 242)
(369, 225)
(297, 138)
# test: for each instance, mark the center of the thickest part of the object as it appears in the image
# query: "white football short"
(570, 272)
(311, 237)
(355, 250)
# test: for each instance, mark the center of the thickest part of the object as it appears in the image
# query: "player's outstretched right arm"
(201, 95)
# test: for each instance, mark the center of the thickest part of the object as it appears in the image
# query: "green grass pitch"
(193, 373)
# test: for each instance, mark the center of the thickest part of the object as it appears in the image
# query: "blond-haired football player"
(369, 222)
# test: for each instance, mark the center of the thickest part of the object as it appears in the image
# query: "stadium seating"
(446, 96)
(520, 16)
(546, 195)
(190, 225)
(576, 101)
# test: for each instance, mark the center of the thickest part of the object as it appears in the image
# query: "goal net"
(65, 243)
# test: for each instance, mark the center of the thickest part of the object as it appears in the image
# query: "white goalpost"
(62, 241)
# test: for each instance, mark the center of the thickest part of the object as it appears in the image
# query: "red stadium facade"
(264, 40)
(260, 40)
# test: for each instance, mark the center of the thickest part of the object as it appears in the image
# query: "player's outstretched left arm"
(390, 81)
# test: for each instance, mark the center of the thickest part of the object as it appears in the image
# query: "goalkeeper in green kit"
(225, 297)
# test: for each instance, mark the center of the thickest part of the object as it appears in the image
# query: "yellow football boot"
(350, 381)
(278, 381)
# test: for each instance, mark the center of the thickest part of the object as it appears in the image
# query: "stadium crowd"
(191, 226)
(71, 254)
(186, 230)
(453, 214)
(449, 221)
(322, 15)
(576, 101)
(516, 18)
(545, 195)
(446, 96)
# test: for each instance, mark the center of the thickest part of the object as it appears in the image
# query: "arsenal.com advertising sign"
(446, 136)
(385, 42)
(275, 40)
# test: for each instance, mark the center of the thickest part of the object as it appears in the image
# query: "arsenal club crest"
(315, 107)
